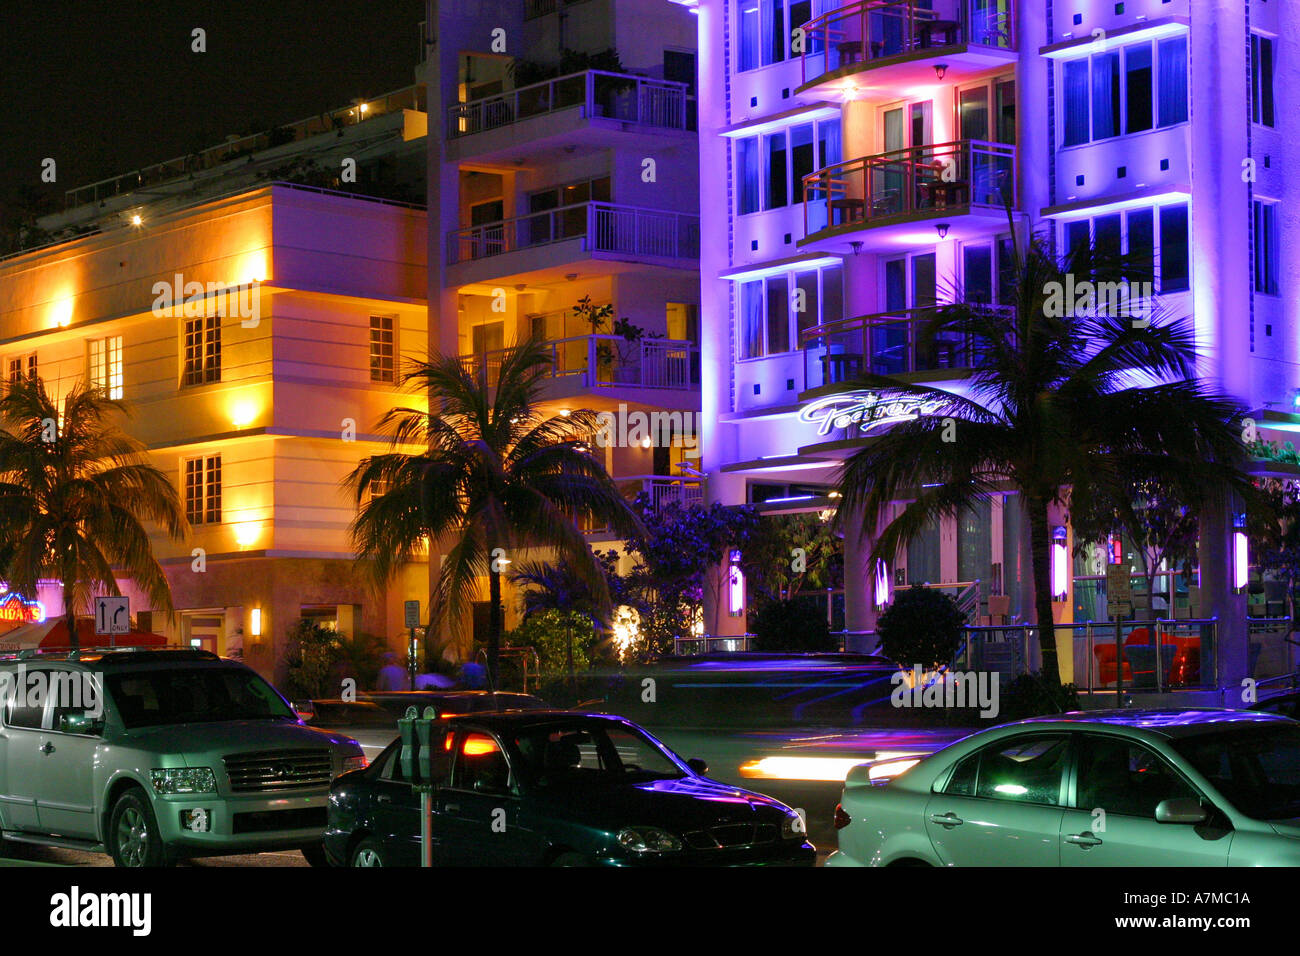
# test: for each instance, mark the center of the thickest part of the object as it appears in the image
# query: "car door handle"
(47, 748)
(1085, 839)
(948, 819)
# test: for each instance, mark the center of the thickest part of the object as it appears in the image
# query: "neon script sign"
(867, 410)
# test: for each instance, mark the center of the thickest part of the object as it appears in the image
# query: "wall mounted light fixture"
(940, 69)
(942, 230)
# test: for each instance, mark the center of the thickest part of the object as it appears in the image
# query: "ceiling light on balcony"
(940, 69)
(856, 245)
(565, 413)
(851, 92)
(942, 230)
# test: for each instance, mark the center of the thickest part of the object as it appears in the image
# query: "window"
(18, 364)
(105, 360)
(480, 765)
(1122, 777)
(383, 349)
(1133, 234)
(1023, 770)
(1266, 247)
(1261, 80)
(773, 311)
(767, 30)
(1124, 91)
(24, 710)
(202, 350)
(203, 489)
(774, 169)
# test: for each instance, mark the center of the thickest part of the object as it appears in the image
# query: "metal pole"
(1119, 665)
(410, 659)
(426, 828)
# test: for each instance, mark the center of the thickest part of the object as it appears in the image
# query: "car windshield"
(329, 714)
(194, 695)
(591, 754)
(1257, 768)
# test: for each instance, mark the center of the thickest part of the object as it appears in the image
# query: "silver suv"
(153, 755)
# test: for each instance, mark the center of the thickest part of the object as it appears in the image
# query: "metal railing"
(603, 361)
(710, 644)
(887, 343)
(599, 93)
(941, 176)
(605, 227)
(1182, 655)
(664, 491)
(872, 32)
(409, 97)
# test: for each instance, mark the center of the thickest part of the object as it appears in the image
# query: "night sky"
(106, 87)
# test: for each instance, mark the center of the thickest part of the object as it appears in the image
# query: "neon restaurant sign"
(866, 410)
(16, 609)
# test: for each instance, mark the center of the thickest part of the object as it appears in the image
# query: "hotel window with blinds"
(203, 489)
(202, 350)
(105, 361)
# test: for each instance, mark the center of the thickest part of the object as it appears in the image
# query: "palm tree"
(75, 495)
(497, 477)
(1054, 405)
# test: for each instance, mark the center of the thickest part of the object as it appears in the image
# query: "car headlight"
(357, 762)
(184, 780)
(648, 840)
(793, 827)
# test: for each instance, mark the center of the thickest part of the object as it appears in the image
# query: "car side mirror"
(1181, 810)
(81, 724)
(698, 765)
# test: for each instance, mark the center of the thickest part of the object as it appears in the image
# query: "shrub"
(923, 626)
(795, 624)
(1029, 695)
(558, 637)
(312, 653)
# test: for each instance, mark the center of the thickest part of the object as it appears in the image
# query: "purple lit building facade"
(855, 160)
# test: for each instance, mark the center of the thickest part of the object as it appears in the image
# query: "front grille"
(731, 835)
(269, 770)
(264, 821)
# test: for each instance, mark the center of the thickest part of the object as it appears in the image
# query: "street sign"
(412, 613)
(1119, 608)
(113, 615)
(1119, 583)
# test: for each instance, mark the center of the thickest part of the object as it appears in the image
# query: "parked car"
(178, 753)
(1288, 705)
(446, 703)
(367, 723)
(1108, 788)
(560, 789)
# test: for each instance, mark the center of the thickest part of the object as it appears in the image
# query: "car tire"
(571, 859)
(133, 837)
(315, 855)
(367, 853)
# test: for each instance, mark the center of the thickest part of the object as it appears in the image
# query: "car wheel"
(133, 836)
(367, 853)
(570, 859)
(315, 855)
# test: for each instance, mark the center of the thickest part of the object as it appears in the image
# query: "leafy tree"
(1274, 534)
(786, 554)
(565, 641)
(1056, 399)
(922, 626)
(76, 495)
(496, 478)
(312, 657)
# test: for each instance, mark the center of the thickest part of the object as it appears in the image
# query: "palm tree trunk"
(495, 625)
(70, 614)
(1040, 554)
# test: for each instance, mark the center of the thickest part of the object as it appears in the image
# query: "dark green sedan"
(557, 789)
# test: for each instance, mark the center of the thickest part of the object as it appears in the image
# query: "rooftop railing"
(866, 190)
(877, 31)
(600, 94)
(605, 227)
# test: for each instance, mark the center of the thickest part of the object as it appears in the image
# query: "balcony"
(590, 363)
(888, 343)
(593, 109)
(663, 491)
(900, 42)
(962, 186)
(553, 240)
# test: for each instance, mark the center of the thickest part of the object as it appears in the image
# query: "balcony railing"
(889, 343)
(917, 179)
(605, 227)
(606, 361)
(600, 94)
(664, 491)
(875, 31)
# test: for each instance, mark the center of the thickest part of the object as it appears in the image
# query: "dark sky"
(107, 86)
